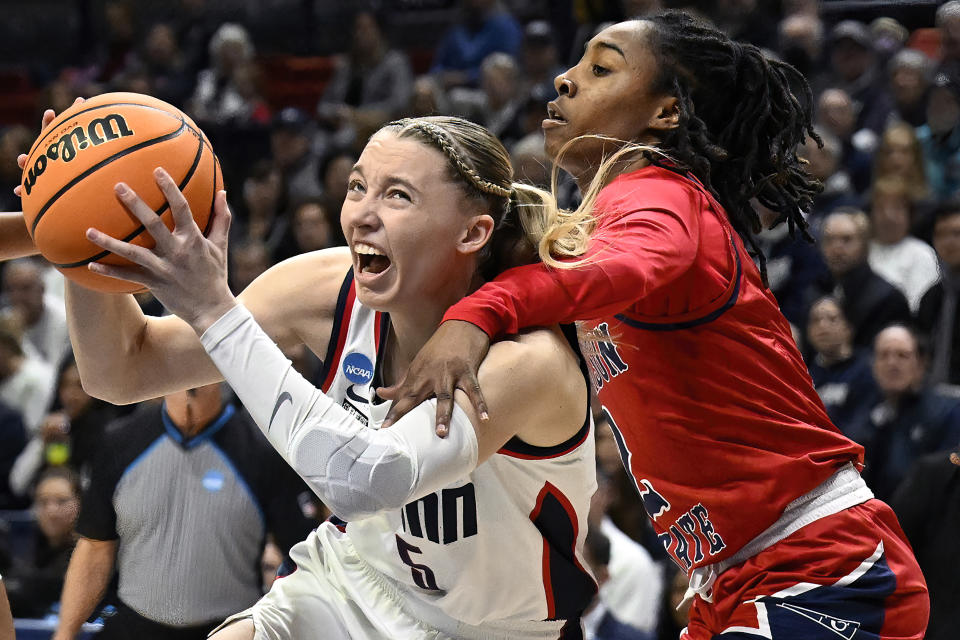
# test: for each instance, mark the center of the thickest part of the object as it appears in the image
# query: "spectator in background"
(248, 259)
(26, 383)
(13, 439)
(291, 145)
(35, 581)
(163, 63)
(840, 372)
(42, 317)
(927, 503)
(270, 563)
(117, 45)
(910, 74)
(371, 85)
(675, 610)
(336, 172)
(484, 27)
(948, 23)
(793, 265)
(69, 436)
(836, 114)
(428, 98)
(937, 317)
(189, 554)
(889, 38)
(854, 62)
(215, 98)
(824, 164)
(263, 203)
(629, 595)
(902, 260)
(801, 45)
(899, 156)
(912, 419)
(940, 137)
(312, 225)
(497, 105)
(869, 302)
(531, 164)
(539, 61)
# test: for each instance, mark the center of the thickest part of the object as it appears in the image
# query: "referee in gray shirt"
(180, 500)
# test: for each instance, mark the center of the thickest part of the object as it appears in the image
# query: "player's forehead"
(388, 154)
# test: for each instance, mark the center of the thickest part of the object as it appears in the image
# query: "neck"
(584, 176)
(190, 418)
(413, 325)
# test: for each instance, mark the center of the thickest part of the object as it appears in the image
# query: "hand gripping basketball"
(185, 271)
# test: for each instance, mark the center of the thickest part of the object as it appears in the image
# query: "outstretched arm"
(16, 241)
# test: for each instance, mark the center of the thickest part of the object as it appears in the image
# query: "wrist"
(207, 317)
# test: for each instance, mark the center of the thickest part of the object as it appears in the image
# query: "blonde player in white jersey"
(477, 535)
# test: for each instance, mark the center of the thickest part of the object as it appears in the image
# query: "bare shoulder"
(295, 299)
(537, 376)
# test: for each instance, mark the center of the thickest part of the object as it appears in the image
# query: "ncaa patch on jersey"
(213, 480)
(358, 368)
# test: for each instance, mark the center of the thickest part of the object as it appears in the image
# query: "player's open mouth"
(554, 117)
(370, 259)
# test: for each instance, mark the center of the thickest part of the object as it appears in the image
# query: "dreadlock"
(741, 119)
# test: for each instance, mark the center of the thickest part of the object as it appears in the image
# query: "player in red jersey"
(750, 487)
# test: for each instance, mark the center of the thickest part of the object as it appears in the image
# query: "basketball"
(72, 168)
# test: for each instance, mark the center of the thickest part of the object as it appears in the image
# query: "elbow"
(96, 387)
(362, 497)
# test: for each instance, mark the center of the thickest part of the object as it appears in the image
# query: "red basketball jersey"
(714, 412)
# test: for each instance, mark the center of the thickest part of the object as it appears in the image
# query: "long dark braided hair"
(742, 116)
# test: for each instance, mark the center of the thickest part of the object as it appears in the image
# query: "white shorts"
(334, 593)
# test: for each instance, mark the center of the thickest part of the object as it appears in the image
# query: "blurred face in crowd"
(822, 163)
(311, 227)
(248, 262)
(844, 246)
(890, 214)
(288, 147)
(499, 83)
(946, 240)
(897, 366)
(24, 288)
(950, 38)
(161, 45)
(908, 86)
(366, 33)
(828, 330)
(262, 195)
(836, 113)
(850, 59)
(56, 507)
(72, 396)
(898, 152)
(943, 110)
(336, 177)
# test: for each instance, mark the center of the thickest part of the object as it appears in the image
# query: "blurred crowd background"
(289, 90)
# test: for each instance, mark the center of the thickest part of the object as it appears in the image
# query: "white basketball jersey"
(504, 542)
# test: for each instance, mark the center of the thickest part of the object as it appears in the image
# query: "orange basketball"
(73, 166)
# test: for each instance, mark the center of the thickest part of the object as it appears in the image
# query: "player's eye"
(399, 194)
(599, 71)
(355, 186)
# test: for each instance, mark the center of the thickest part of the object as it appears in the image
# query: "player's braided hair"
(479, 162)
(742, 116)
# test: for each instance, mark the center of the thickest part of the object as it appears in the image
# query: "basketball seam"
(79, 178)
(55, 125)
(163, 209)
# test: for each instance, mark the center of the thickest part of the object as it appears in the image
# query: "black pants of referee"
(127, 624)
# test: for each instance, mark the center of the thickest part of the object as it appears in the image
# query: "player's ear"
(476, 233)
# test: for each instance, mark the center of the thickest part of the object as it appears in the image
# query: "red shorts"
(851, 575)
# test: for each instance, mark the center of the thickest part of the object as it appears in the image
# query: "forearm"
(124, 356)
(16, 241)
(89, 573)
(357, 471)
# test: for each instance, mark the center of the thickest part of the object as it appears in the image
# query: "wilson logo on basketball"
(97, 132)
